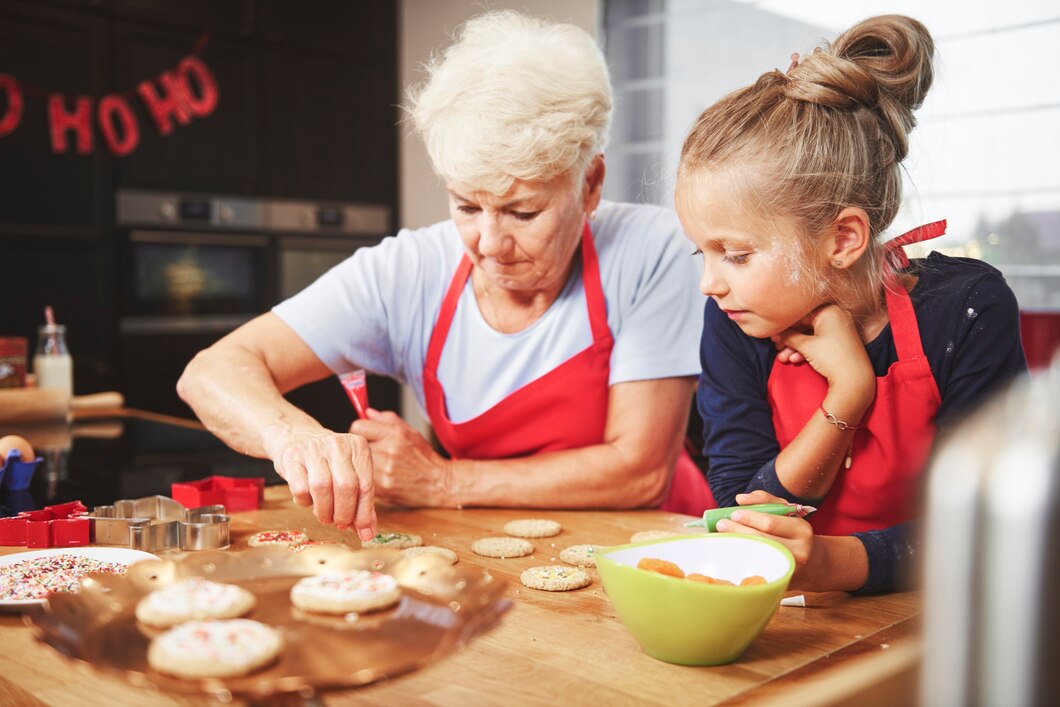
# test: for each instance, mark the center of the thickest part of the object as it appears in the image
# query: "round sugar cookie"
(343, 592)
(532, 528)
(290, 538)
(443, 552)
(398, 541)
(580, 555)
(555, 578)
(502, 547)
(651, 535)
(215, 649)
(193, 599)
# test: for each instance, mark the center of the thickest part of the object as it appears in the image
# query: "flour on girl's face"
(786, 254)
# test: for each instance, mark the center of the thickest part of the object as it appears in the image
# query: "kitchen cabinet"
(51, 50)
(215, 153)
(331, 126)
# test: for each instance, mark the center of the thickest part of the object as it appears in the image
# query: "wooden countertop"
(550, 647)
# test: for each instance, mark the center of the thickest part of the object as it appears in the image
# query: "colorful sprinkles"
(41, 576)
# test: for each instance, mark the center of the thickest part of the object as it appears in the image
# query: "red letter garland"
(13, 116)
(188, 92)
(110, 107)
(79, 121)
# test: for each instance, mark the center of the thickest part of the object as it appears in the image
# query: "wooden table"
(550, 648)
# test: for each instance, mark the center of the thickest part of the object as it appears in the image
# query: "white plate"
(103, 554)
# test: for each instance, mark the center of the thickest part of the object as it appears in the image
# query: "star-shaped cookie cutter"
(156, 523)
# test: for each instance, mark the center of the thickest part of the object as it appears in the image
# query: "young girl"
(828, 359)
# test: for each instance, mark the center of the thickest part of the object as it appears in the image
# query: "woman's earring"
(838, 263)
(591, 215)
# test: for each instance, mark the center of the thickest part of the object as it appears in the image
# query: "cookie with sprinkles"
(193, 599)
(532, 528)
(343, 592)
(398, 541)
(443, 552)
(502, 547)
(215, 649)
(555, 578)
(290, 538)
(651, 535)
(580, 555)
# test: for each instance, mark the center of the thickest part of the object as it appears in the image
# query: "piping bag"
(712, 516)
(356, 387)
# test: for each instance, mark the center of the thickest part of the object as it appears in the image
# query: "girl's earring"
(837, 262)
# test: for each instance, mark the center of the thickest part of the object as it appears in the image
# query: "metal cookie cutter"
(157, 523)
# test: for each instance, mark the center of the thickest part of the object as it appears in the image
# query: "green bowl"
(691, 623)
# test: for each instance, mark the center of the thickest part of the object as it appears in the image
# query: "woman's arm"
(236, 389)
(646, 425)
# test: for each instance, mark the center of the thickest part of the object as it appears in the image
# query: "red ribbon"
(921, 233)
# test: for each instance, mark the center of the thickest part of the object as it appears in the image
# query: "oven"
(196, 266)
(312, 238)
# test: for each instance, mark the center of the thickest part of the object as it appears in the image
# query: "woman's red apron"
(564, 409)
(893, 442)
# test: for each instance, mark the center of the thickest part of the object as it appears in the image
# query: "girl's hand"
(829, 341)
(794, 533)
(407, 469)
(823, 563)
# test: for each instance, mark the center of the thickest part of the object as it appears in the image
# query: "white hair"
(514, 97)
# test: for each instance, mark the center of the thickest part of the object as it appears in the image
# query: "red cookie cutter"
(232, 493)
(63, 525)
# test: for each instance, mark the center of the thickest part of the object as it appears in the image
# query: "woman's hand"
(407, 469)
(822, 563)
(329, 471)
(829, 341)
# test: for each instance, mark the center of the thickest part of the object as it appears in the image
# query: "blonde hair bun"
(883, 63)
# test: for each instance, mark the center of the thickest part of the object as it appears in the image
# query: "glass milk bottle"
(52, 363)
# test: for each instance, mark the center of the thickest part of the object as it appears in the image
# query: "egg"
(11, 442)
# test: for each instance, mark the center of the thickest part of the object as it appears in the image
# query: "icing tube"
(356, 388)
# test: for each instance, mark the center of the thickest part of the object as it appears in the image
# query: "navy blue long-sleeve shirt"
(969, 328)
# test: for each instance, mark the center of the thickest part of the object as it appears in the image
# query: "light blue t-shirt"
(376, 310)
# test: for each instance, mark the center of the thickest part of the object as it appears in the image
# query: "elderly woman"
(551, 337)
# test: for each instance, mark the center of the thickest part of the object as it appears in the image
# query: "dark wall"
(308, 91)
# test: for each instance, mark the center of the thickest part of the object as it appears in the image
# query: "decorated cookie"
(502, 547)
(651, 535)
(193, 599)
(290, 538)
(580, 555)
(445, 552)
(398, 541)
(343, 592)
(555, 578)
(215, 649)
(532, 528)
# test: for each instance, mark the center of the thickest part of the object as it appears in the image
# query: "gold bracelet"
(843, 425)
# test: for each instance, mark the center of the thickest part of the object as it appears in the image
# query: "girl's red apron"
(564, 409)
(892, 444)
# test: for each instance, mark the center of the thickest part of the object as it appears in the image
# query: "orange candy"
(661, 566)
(671, 570)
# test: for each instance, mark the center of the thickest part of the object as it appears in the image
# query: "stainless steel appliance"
(196, 266)
(992, 566)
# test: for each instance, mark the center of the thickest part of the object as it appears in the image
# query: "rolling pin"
(42, 404)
